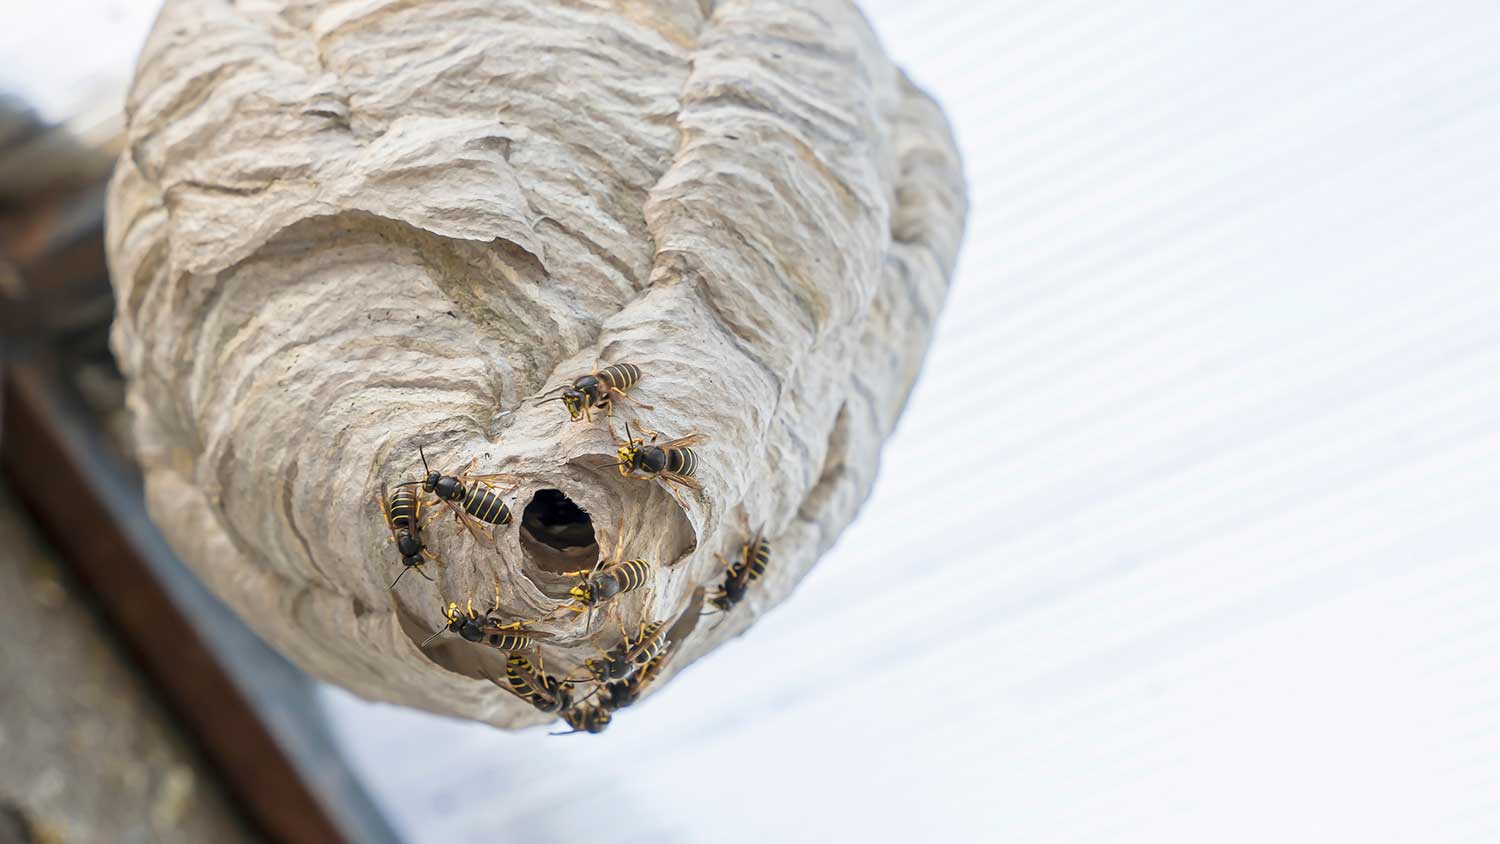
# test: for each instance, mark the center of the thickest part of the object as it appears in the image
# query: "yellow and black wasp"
(403, 516)
(470, 497)
(485, 628)
(624, 659)
(597, 389)
(672, 462)
(585, 718)
(609, 577)
(755, 555)
(530, 682)
(594, 718)
(622, 693)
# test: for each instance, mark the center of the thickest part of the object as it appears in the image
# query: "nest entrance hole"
(556, 534)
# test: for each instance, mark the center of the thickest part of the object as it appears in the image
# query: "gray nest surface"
(341, 231)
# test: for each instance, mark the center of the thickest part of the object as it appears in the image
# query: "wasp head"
(629, 455)
(583, 593)
(598, 669)
(575, 401)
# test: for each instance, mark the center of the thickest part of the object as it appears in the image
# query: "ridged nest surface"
(341, 231)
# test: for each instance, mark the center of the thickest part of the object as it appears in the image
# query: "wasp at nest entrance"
(556, 534)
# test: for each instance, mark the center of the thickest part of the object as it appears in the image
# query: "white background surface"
(1190, 531)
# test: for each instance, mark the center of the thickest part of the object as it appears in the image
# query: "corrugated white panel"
(1190, 532)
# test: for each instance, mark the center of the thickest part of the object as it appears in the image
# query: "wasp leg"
(668, 487)
(385, 511)
(462, 515)
(431, 515)
(633, 400)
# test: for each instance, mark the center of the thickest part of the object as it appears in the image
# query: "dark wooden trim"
(87, 522)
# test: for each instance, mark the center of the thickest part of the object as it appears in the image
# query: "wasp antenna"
(404, 570)
(568, 733)
(423, 455)
(585, 698)
(436, 633)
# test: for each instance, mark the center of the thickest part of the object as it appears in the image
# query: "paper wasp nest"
(341, 231)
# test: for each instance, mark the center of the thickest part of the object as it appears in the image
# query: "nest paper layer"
(344, 230)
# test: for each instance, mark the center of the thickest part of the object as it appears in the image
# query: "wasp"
(485, 628)
(470, 497)
(622, 693)
(672, 462)
(403, 516)
(594, 718)
(622, 661)
(597, 389)
(585, 718)
(531, 682)
(755, 554)
(604, 582)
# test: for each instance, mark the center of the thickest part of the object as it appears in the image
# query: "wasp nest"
(344, 231)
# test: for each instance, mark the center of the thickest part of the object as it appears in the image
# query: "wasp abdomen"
(508, 641)
(682, 461)
(631, 574)
(620, 376)
(487, 506)
(528, 682)
(654, 646)
(403, 509)
(757, 557)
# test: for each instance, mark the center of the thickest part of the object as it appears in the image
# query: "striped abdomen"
(506, 640)
(627, 657)
(648, 647)
(756, 555)
(620, 376)
(404, 509)
(654, 646)
(682, 461)
(630, 574)
(528, 682)
(486, 505)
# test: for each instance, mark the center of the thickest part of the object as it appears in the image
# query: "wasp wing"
(470, 522)
(514, 630)
(683, 442)
(488, 479)
(686, 480)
